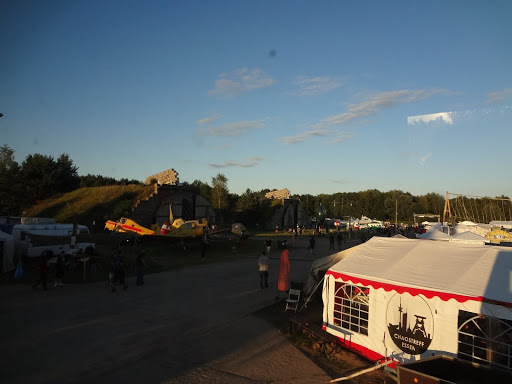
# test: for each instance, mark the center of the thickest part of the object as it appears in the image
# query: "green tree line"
(40, 177)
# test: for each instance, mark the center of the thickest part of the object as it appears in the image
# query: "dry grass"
(92, 204)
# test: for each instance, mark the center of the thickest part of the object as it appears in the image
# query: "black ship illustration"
(413, 341)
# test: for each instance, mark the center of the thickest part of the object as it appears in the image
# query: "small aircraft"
(179, 228)
(125, 225)
(239, 230)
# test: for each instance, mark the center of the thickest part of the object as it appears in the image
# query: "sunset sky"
(313, 96)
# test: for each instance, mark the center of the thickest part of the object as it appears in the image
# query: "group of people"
(339, 238)
(116, 276)
(284, 266)
(43, 270)
(283, 284)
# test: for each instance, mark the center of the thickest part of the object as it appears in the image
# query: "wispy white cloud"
(303, 136)
(209, 120)
(252, 161)
(231, 129)
(441, 116)
(309, 86)
(375, 103)
(341, 137)
(423, 160)
(495, 97)
(229, 85)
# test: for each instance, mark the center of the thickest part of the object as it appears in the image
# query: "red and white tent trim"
(409, 299)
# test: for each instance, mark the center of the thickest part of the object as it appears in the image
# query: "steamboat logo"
(410, 323)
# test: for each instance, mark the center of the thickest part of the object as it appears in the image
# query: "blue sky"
(313, 96)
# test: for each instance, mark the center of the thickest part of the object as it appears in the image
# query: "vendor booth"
(409, 299)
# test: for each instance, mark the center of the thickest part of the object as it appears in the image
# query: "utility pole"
(350, 222)
(396, 213)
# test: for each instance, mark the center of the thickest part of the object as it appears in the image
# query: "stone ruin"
(278, 194)
(169, 177)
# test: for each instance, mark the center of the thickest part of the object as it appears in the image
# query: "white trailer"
(24, 236)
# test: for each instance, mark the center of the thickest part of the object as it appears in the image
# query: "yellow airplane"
(178, 229)
(181, 229)
(125, 225)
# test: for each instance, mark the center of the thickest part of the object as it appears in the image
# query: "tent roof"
(468, 222)
(323, 264)
(504, 224)
(434, 235)
(448, 270)
(469, 237)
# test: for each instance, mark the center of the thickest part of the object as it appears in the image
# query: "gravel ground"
(193, 325)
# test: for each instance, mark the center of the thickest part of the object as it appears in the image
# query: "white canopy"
(322, 265)
(469, 237)
(479, 229)
(434, 235)
(432, 267)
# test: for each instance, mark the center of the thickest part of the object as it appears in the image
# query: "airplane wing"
(127, 225)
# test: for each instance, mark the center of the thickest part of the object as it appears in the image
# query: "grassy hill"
(95, 204)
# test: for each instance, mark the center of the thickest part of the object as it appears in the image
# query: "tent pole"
(361, 372)
(312, 293)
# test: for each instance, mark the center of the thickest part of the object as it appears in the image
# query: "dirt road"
(191, 325)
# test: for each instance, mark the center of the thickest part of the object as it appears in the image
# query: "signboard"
(410, 323)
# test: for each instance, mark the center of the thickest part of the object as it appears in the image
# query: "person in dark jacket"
(43, 271)
(59, 269)
(118, 270)
(312, 242)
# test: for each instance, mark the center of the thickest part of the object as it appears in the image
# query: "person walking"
(43, 270)
(284, 272)
(331, 241)
(118, 270)
(340, 240)
(263, 269)
(139, 267)
(59, 269)
(312, 242)
(204, 245)
(268, 244)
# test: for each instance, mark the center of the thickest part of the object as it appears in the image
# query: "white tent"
(408, 299)
(502, 224)
(477, 228)
(320, 266)
(434, 235)
(469, 238)
(7, 242)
